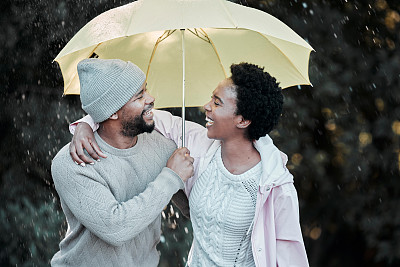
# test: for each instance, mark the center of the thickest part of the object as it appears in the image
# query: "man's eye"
(216, 103)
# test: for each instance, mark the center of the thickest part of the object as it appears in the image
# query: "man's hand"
(181, 163)
(84, 139)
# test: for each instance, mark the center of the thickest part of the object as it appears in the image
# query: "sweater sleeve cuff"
(172, 180)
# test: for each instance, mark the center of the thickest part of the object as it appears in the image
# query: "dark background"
(342, 135)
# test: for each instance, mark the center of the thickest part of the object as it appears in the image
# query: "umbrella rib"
(165, 35)
(286, 57)
(198, 35)
(76, 73)
(215, 50)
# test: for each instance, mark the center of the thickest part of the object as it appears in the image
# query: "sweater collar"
(120, 152)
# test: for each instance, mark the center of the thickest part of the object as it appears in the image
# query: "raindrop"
(305, 5)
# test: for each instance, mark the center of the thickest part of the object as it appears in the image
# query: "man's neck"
(113, 137)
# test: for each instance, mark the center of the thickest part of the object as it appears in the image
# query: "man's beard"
(132, 128)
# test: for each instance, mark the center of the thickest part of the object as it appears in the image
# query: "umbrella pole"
(183, 87)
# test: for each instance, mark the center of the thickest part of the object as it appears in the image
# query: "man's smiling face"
(137, 115)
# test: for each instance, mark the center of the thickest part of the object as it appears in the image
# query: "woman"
(243, 204)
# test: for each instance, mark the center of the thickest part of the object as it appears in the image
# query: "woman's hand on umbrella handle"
(83, 139)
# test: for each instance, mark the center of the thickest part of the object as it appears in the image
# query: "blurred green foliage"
(342, 136)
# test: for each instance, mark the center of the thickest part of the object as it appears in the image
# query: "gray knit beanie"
(107, 85)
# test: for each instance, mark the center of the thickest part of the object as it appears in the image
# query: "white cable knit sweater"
(113, 207)
(222, 207)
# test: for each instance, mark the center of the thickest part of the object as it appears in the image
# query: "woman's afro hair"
(259, 98)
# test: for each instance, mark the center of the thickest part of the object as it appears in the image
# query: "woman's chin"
(209, 134)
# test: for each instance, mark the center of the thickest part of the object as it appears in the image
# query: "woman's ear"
(242, 124)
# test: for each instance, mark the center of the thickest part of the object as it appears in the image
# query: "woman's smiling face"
(221, 112)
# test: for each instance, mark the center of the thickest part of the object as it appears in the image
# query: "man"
(113, 207)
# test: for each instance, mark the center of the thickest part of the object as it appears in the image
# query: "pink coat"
(276, 237)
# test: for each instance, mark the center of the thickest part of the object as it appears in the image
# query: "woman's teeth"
(209, 122)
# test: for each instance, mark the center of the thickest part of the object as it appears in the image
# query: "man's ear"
(114, 116)
(242, 124)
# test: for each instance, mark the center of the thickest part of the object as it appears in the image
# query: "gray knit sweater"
(113, 207)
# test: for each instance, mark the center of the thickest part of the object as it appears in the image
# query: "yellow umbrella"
(216, 34)
(188, 46)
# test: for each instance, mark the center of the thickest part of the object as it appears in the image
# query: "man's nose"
(149, 98)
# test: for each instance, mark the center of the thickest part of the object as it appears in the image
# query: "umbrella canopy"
(209, 35)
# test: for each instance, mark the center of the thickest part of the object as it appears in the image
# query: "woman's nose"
(207, 106)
